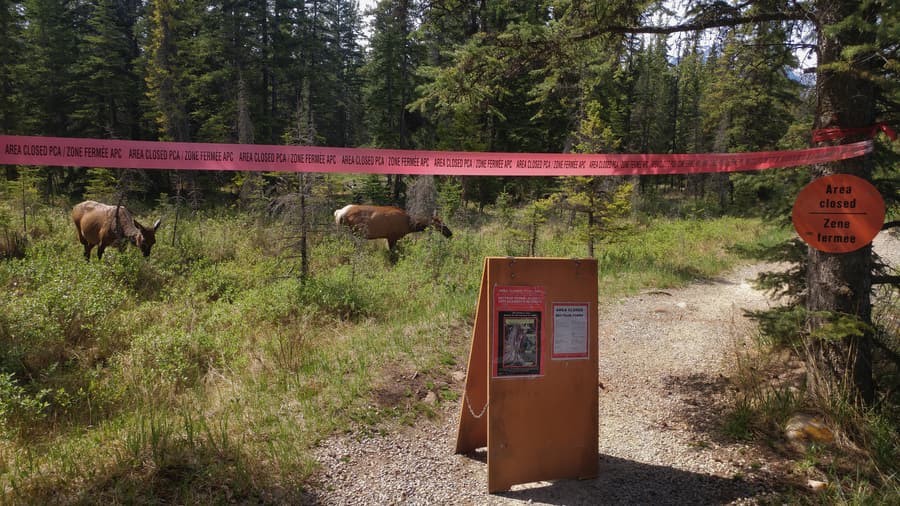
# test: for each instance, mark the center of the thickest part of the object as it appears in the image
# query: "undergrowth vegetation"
(859, 463)
(206, 373)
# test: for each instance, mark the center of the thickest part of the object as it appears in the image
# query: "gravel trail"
(665, 359)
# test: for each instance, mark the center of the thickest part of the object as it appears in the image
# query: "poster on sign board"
(570, 331)
(519, 352)
(518, 343)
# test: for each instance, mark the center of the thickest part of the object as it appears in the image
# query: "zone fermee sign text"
(838, 213)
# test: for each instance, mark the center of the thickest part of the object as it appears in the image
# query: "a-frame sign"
(531, 389)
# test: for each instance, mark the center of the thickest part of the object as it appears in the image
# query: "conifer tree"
(170, 25)
(107, 90)
(652, 108)
(348, 109)
(11, 46)
(390, 72)
(52, 38)
(840, 285)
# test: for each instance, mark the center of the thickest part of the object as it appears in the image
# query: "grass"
(207, 373)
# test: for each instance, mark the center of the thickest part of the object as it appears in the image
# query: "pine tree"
(348, 109)
(107, 89)
(840, 285)
(652, 108)
(170, 24)
(52, 38)
(390, 75)
(502, 109)
(11, 49)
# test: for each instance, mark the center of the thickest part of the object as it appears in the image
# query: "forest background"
(303, 73)
(496, 75)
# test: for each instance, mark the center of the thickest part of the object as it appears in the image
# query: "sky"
(365, 5)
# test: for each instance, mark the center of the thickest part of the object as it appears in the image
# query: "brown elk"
(385, 222)
(103, 225)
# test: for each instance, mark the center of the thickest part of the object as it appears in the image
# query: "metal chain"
(469, 405)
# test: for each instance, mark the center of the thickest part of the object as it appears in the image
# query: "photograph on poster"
(519, 346)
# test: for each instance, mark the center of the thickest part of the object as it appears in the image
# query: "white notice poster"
(570, 331)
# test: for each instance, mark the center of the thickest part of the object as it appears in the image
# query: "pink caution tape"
(71, 152)
(837, 133)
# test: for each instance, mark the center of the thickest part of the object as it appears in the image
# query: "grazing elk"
(103, 225)
(385, 222)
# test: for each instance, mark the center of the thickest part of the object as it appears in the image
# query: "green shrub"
(12, 242)
(61, 304)
(273, 303)
(739, 421)
(882, 438)
(211, 239)
(341, 294)
(139, 275)
(214, 281)
(164, 358)
(18, 406)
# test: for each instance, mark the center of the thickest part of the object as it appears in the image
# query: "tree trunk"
(841, 283)
(591, 231)
(303, 187)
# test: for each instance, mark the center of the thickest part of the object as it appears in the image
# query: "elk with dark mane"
(103, 225)
(385, 222)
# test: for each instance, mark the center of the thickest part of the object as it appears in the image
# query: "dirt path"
(665, 359)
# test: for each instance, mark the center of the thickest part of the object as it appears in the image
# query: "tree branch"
(886, 280)
(698, 24)
(889, 352)
(891, 224)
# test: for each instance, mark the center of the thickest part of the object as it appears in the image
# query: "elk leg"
(392, 250)
(87, 245)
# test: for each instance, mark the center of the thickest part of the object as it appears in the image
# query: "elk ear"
(156, 225)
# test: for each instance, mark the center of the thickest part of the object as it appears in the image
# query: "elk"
(103, 225)
(385, 222)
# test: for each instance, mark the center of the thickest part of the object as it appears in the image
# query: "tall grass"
(207, 373)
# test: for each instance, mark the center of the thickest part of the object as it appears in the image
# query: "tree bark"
(841, 283)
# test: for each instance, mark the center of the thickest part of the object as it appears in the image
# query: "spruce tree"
(107, 91)
(11, 46)
(52, 38)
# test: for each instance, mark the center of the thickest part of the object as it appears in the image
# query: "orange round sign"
(838, 213)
